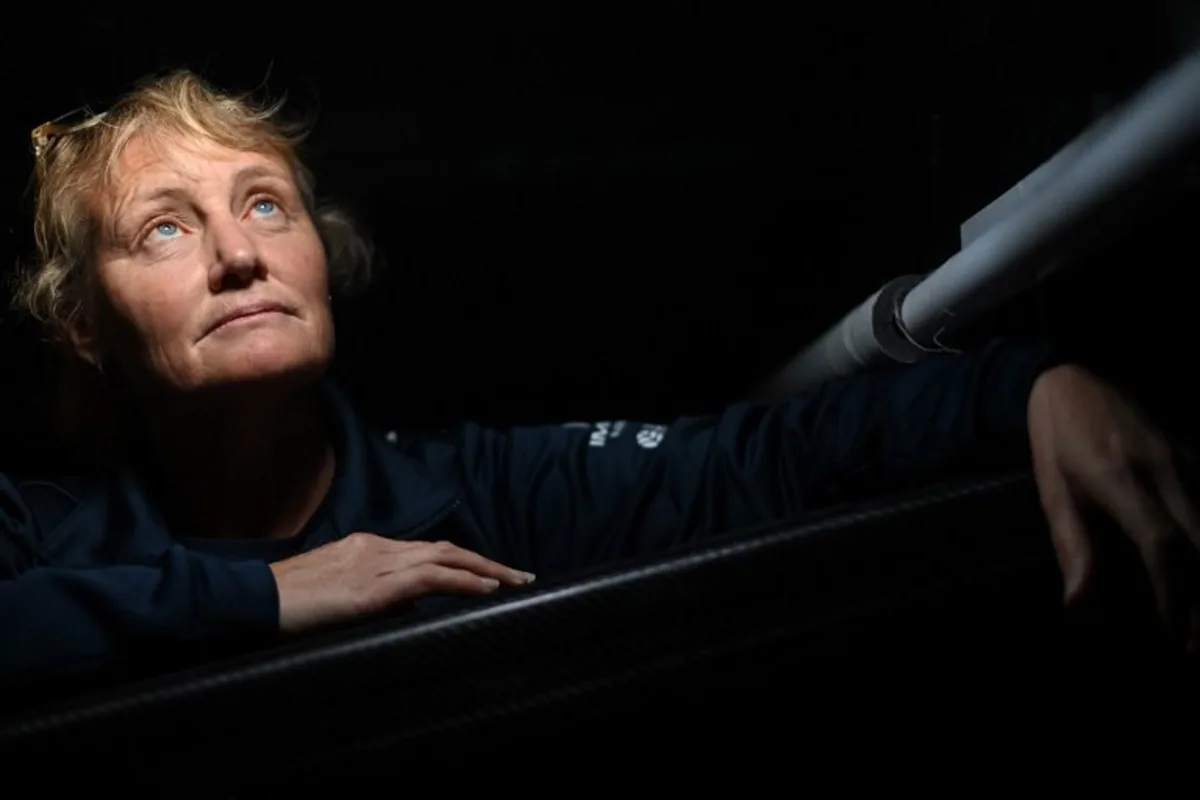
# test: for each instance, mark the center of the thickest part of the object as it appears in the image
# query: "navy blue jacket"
(89, 571)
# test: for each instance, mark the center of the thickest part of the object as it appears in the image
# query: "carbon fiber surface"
(562, 649)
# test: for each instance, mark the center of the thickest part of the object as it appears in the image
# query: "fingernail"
(491, 583)
(529, 577)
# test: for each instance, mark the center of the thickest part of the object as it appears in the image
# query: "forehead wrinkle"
(128, 192)
(118, 189)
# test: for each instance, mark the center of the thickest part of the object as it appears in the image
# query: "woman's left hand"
(1093, 448)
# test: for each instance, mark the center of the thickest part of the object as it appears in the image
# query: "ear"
(82, 339)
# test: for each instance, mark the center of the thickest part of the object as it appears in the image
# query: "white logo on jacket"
(601, 432)
(651, 436)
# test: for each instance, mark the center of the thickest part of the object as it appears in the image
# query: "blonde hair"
(73, 161)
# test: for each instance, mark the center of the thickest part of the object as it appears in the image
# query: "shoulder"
(50, 501)
(32, 511)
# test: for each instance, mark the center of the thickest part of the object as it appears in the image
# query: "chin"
(273, 373)
(267, 367)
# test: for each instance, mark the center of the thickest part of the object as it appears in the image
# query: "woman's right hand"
(365, 574)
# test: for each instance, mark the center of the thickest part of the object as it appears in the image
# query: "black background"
(605, 212)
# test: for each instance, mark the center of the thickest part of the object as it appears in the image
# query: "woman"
(182, 255)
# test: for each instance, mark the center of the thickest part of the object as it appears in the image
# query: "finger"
(1072, 547)
(1179, 504)
(430, 578)
(1068, 531)
(1146, 521)
(405, 545)
(451, 555)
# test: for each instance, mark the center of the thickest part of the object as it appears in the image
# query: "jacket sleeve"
(55, 620)
(560, 499)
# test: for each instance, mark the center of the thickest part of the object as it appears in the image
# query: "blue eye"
(166, 229)
(265, 207)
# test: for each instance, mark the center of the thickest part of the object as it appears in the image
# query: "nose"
(235, 260)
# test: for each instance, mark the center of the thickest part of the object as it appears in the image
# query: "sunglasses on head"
(45, 135)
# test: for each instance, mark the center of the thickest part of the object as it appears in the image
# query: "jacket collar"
(377, 487)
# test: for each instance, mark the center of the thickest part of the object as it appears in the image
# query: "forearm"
(568, 499)
(70, 619)
(875, 431)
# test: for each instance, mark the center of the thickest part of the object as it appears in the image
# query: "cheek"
(162, 310)
(151, 311)
(308, 269)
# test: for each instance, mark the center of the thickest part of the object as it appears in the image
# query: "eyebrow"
(255, 172)
(244, 175)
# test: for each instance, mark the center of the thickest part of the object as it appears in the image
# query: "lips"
(247, 310)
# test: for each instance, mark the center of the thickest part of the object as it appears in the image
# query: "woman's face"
(211, 272)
